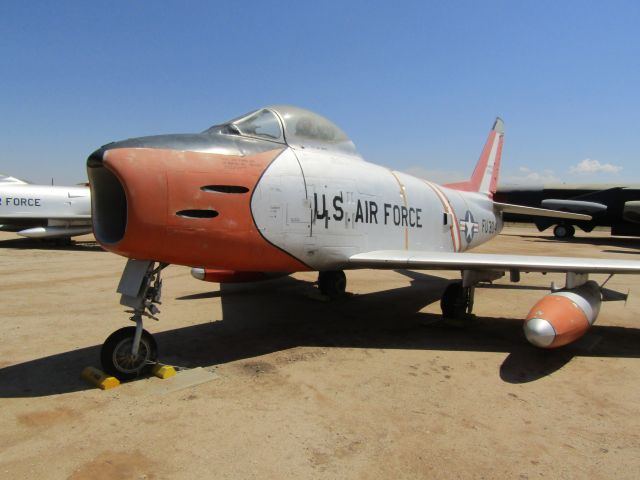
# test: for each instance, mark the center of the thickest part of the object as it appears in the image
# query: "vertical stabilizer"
(485, 175)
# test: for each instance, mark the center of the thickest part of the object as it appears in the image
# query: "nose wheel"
(131, 351)
(118, 358)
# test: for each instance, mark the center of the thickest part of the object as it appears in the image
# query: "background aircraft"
(615, 206)
(44, 211)
(283, 190)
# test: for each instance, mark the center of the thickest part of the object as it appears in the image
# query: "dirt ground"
(370, 386)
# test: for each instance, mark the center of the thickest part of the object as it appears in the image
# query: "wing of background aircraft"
(538, 212)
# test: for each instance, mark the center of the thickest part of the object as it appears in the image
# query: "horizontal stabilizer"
(538, 212)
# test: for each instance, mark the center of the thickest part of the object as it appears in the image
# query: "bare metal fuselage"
(324, 208)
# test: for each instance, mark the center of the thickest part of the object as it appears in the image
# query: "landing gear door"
(131, 285)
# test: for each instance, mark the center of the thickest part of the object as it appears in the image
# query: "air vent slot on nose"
(197, 213)
(225, 189)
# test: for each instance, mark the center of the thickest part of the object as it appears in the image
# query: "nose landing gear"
(131, 351)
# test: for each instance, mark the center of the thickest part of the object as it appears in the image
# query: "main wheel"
(454, 301)
(116, 356)
(332, 283)
(564, 231)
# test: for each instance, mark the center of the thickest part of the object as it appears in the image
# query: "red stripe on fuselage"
(455, 228)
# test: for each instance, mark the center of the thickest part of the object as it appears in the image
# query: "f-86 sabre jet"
(44, 211)
(283, 190)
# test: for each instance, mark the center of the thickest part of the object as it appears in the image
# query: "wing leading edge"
(417, 260)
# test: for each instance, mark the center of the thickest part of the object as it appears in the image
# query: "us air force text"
(367, 211)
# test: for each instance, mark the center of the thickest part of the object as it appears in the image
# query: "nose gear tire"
(116, 356)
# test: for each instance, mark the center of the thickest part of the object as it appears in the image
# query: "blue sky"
(416, 85)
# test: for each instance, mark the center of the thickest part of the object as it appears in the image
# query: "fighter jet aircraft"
(44, 211)
(284, 190)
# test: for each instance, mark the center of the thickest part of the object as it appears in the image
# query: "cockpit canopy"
(293, 126)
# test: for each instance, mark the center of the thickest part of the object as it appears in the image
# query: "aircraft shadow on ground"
(35, 244)
(286, 313)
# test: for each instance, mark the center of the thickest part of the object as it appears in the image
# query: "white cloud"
(589, 166)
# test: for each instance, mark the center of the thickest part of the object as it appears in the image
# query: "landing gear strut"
(332, 283)
(457, 301)
(131, 351)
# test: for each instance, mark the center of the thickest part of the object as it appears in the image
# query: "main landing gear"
(131, 351)
(564, 231)
(332, 283)
(457, 301)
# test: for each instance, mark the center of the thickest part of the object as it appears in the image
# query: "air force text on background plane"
(20, 202)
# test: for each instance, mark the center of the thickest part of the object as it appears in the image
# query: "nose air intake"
(109, 202)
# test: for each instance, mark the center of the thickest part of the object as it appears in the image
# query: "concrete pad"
(154, 386)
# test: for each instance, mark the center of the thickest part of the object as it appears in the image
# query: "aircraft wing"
(538, 212)
(419, 260)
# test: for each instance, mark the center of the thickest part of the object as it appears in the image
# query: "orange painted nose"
(142, 203)
(183, 207)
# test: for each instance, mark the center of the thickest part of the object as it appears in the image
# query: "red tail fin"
(485, 175)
